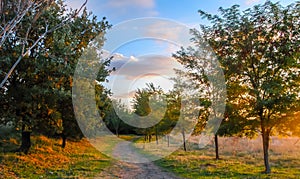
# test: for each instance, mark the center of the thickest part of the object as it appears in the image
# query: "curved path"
(126, 170)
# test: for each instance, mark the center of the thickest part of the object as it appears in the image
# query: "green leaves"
(258, 46)
(259, 52)
(39, 90)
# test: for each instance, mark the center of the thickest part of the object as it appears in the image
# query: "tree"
(13, 12)
(172, 114)
(36, 90)
(233, 124)
(293, 126)
(109, 110)
(72, 43)
(183, 107)
(203, 77)
(13, 28)
(148, 100)
(259, 52)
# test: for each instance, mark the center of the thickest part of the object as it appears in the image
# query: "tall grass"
(240, 158)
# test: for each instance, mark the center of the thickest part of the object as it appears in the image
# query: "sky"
(184, 11)
(144, 60)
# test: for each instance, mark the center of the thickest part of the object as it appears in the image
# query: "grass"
(48, 160)
(240, 158)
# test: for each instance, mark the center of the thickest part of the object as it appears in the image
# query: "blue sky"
(184, 11)
(134, 58)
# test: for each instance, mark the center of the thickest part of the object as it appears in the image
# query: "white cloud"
(250, 2)
(132, 67)
(118, 56)
(174, 32)
(132, 58)
(164, 30)
(134, 72)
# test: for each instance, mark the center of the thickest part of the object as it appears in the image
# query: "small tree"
(259, 53)
(203, 77)
(141, 106)
(172, 114)
(111, 117)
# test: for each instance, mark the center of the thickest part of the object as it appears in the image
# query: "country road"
(142, 169)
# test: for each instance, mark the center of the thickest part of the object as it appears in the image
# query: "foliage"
(115, 110)
(18, 20)
(150, 112)
(258, 51)
(37, 96)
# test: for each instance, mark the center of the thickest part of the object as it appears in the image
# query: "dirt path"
(133, 170)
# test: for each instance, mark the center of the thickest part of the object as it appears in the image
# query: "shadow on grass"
(211, 168)
(84, 169)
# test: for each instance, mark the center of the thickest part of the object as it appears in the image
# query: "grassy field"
(240, 158)
(48, 160)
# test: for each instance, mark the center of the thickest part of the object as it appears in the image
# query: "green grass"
(236, 162)
(48, 160)
(240, 158)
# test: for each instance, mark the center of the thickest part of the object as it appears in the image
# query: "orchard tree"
(258, 50)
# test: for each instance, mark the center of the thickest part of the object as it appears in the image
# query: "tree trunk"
(117, 128)
(156, 135)
(26, 143)
(64, 140)
(184, 143)
(297, 141)
(168, 138)
(117, 132)
(266, 140)
(265, 134)
(217, 147)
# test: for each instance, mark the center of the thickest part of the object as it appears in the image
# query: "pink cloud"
(148, 66)
(166, 30)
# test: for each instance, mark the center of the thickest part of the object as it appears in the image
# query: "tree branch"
(60, 25)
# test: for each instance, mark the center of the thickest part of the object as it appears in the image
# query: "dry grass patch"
(240, 158)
